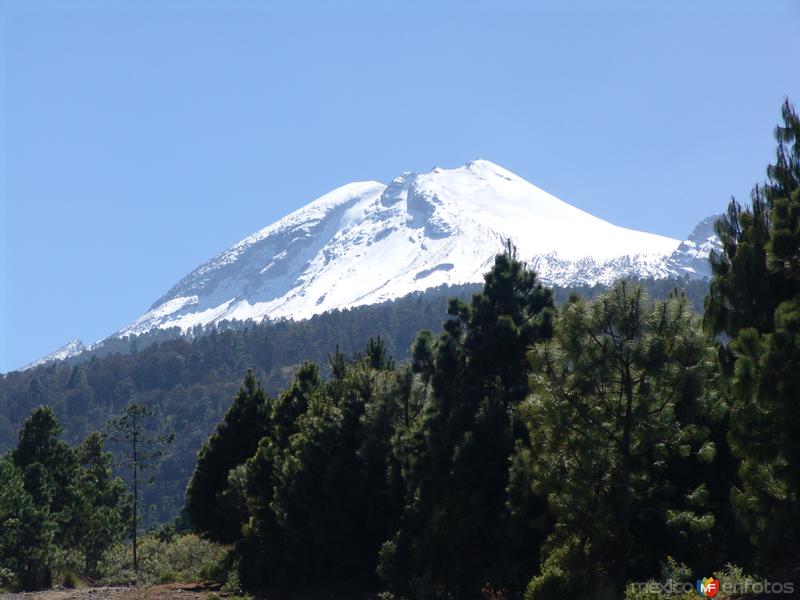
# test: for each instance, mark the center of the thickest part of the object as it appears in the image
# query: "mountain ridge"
(366, 242)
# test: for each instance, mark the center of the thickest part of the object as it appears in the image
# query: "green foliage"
(425, 473)
(316, 488)
(560, 573)
(26, 533)
(233, 585)
(234, 441)
(754, 306)
(187, 558)
(741, 292)
(650, 592)
(69, 581)
(522, 451)
(66, 564)
(733, 577)
(193, 378)
(764, 433)
(59, 506)
(677, 582)
(106, 505)
(458, 532)
(616, 410)
(142, 443)
(550, 584)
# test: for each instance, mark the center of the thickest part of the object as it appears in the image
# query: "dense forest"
(189, 380)
(615, 444)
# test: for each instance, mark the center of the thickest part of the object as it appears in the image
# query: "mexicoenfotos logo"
(708, 587)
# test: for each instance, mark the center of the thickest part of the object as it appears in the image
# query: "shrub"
(6, 578)
(66, 563)
(675, 577)
(69, 581)
(551, 584)
(560, 576)
(191, 557)
(168, 577)
(232, 582)
(675, 574)
(216, 569)
(186, 558)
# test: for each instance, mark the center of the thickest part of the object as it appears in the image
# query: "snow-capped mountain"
(691, 257)
(367, 242)
(71, 348)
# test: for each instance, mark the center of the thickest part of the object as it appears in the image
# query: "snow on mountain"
(71, 348)
(367, 242)
(691, 256)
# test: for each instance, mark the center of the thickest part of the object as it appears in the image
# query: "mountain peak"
(482, 163)
(691, 256)
(366, 242)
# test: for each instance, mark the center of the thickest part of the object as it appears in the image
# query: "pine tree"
(456, 531)
(27, 529)
(377, 355)
(317, 488)
(753, 303)
(616, 403)
(143, 442)
(262, 546)
(741, 292)
(330, 498)
(234, 441)
(52, 468)
(105, 506)
(71, 501)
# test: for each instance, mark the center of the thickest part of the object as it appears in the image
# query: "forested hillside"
(190, 380)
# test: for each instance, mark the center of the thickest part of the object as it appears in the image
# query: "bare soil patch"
(171, 591)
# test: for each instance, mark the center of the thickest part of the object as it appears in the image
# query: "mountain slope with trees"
(189, 380)
(524, 449)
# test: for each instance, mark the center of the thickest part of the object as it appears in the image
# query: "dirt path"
(172, 591)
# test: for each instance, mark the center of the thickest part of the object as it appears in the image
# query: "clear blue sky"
(138, 139)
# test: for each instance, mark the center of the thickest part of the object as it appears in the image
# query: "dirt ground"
(187, 591)
(172, 591)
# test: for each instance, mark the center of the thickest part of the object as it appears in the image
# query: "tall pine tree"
(234, 441)
(456, 535)
(754, 306)
(616, 404)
